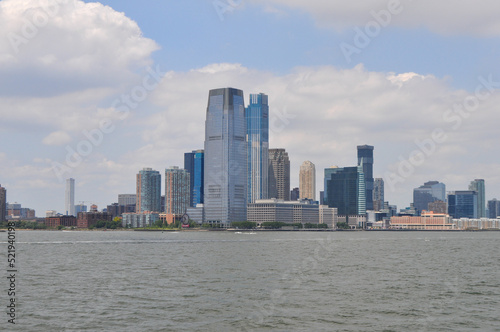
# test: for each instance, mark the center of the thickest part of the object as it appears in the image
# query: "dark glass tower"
(257, 116)
(462, 204)
(345, 190)
(225, 157)
(199, 166)
(189, 166)
(365, 159)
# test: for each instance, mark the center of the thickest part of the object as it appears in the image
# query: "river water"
(254, 281)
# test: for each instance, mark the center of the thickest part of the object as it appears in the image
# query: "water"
(280, 281)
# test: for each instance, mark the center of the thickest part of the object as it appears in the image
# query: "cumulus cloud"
(446, 17)
(57, 138)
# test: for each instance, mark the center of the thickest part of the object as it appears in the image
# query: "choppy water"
(280, 281)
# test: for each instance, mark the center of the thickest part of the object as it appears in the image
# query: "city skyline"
(434, 87)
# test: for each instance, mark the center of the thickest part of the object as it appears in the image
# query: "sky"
(96, 91)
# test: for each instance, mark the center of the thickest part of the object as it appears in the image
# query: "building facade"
(378, 194)
(66, 221)
(177, 184)
(478, 186)
(462, 204)
(3, 204)
(365, 159)
(307, 181)
(70, 197)
(345, 190)
(89, 219)
(279, 174)
(225, 178)
(426, 221)
(189, 166)
(295, 194)
(148, 188)
(429, 192)
(493, 208)
(257, 118)
(138, 220)
(127, 199)
(198, 178)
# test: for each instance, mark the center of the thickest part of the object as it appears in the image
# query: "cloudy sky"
(97, 91)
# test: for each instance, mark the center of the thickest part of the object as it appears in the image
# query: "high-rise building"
(493, 208)
(345, 190)
(429, 192)
(225, 178)
(295, 194)
(3, 203)
(365, 159)
(438, 207)
(478, 186)
(148, 188)
(257, 117)
(462, 204)
(126, 199)
(189, 166)
(70, 197)
(279, 174)
(176, 190)
(307, 180)
(198, 178)
(378, 194)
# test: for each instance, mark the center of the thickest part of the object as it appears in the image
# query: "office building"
(198, 178)
(307, 180)
(279, 174)
(137, 220)
(148, 190)
(429, 192)
(257, 118)
(493, 208)
(225, 179)
(176, 190)
(3, 204)
(127, 199)
(295, 194)
(70, 197)
(378, 194)
(345, 190)
(438, 207)
(189, 166)
(365, 159)
(478, 186)
(462, 204)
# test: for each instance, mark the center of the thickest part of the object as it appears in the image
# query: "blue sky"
(61, 80)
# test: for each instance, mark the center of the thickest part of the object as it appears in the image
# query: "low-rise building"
(428, 220)
(89, 219)
(66, 221)
(476, 224)
(142, 219)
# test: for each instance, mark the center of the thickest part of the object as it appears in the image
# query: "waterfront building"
(477, 224)
(66, 221)
(345, 190)
(257, 119)
(462, 204)
(70, 197)
(493, 208)
(307, 180)
(428, 220)
(225, 178)
(197, 213)
(279, 174)
(378, 194)
(478, 186)
(148, 190)
(176, 190)
(429, 192)
(3, 204)
(365, 159)
(88, 219)
(141, 219)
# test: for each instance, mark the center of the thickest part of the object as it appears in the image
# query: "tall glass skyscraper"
(189, 166)
(148, 190)
(70, 197)
(257, 117)
(198, 186)
(478, 186)
(225, 157)
(279, 174)
(345, 190)
(365, 159)
(462, 204)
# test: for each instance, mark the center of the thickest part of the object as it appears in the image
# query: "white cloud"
(57, 138)
(446, 17)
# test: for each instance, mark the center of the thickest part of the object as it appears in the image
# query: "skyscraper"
(430, 192)
(462, 204)
(478, 186)
(378, 194)
(365, 159)
(225, 178)
(189, 166)
(198, 186)
(70, 197)
(176, 190)
(257, 117)
(493, 208)
(345, 190)
(307, 180)
(279, 174)
(148, 190)
(3, 203)
(295, 194)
